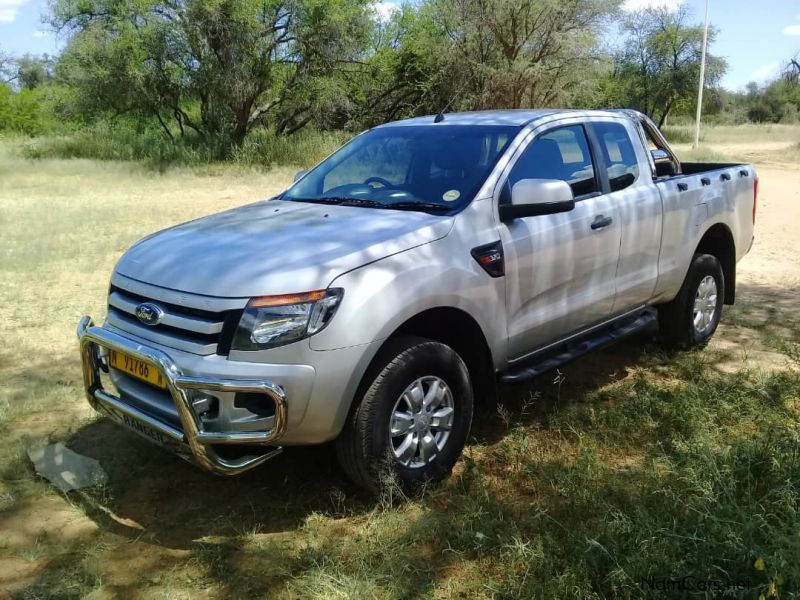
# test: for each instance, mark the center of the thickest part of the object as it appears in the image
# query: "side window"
(561, 153)
(620, 157)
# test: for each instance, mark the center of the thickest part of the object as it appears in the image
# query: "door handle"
(706, 181)
(601, 222)
(682, 187)
(725, 177)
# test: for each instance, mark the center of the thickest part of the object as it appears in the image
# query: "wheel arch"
(455, 328)
(718, 242)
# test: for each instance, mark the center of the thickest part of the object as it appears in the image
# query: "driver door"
(560, 268)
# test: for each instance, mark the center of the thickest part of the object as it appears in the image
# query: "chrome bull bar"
(193, 443)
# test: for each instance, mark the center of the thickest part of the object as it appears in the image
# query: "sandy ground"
(768, 278)
(775, 257)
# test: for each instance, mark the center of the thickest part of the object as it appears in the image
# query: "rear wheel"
(412, 421)
(692, 317)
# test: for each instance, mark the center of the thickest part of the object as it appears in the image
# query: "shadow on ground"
(173, 503)
(172, 512)
(158, 497)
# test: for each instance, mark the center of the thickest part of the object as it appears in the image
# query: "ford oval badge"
(149, 313)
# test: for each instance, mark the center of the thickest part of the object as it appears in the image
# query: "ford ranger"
(407, 276)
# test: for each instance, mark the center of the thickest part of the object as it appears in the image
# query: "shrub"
(305, 148)
(118, 141)
(26, 111)
(678, 134)
(128, 140)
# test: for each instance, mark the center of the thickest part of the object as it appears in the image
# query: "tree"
(477, 54)
(217, 67)
(7, 70)
(777, 100)
(791, 72)
(658, 69)
(522, 53)
(33, 71)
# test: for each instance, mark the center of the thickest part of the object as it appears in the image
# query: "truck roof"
(512, 117)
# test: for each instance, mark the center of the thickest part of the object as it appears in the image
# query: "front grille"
(190, 329)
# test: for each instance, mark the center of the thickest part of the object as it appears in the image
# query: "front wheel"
(692, 317)
(412, 421)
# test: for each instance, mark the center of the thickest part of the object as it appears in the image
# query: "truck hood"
(275, 247)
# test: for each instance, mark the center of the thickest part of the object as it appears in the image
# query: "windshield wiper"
(367, 203)
(423, 206)
(343, 201)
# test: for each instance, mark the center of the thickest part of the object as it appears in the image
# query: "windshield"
(434, 168)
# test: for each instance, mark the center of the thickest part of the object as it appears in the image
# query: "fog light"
(205, 406)
(258, 404)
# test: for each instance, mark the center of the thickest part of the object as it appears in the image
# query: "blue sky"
(755, 37)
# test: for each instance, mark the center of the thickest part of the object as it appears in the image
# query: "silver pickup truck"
(404, 278)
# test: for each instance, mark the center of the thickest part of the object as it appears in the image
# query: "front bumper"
(192, 443)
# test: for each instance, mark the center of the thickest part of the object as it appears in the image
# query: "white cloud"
(766, 72)
(792, 29)
(39, 34)
(8, 10)
(383, 9)
(633, 5)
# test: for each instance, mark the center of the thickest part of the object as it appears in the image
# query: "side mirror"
(533, 197)
(300, 174)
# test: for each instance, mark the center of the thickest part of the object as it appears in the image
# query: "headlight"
(270, 321)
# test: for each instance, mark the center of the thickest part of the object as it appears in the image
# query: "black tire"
(676, 318)
(364, 447)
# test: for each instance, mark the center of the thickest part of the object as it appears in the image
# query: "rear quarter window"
(622, 166)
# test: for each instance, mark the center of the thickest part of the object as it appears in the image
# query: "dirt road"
(775, 257)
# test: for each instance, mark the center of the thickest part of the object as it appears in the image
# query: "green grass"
(677, 134)
(149, 145)
(632, 467)
(633, 483)
(305, 148)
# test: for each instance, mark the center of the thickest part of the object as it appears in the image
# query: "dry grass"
(766, 144)
(63, 224)
(640, 464)
(736, 134)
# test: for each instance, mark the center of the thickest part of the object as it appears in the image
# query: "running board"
(571, 350)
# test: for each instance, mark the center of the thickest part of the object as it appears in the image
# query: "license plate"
(137, 368)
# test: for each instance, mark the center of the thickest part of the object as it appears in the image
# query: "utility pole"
(702, 82)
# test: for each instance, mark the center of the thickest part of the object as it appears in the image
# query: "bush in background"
(305, 148)
(122, 139)
(26, 112)
(678, 134)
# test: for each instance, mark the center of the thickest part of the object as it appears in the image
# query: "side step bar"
(570, 350)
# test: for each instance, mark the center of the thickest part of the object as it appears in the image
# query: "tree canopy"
(217, 67)
(212, 71)
(658, 69)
